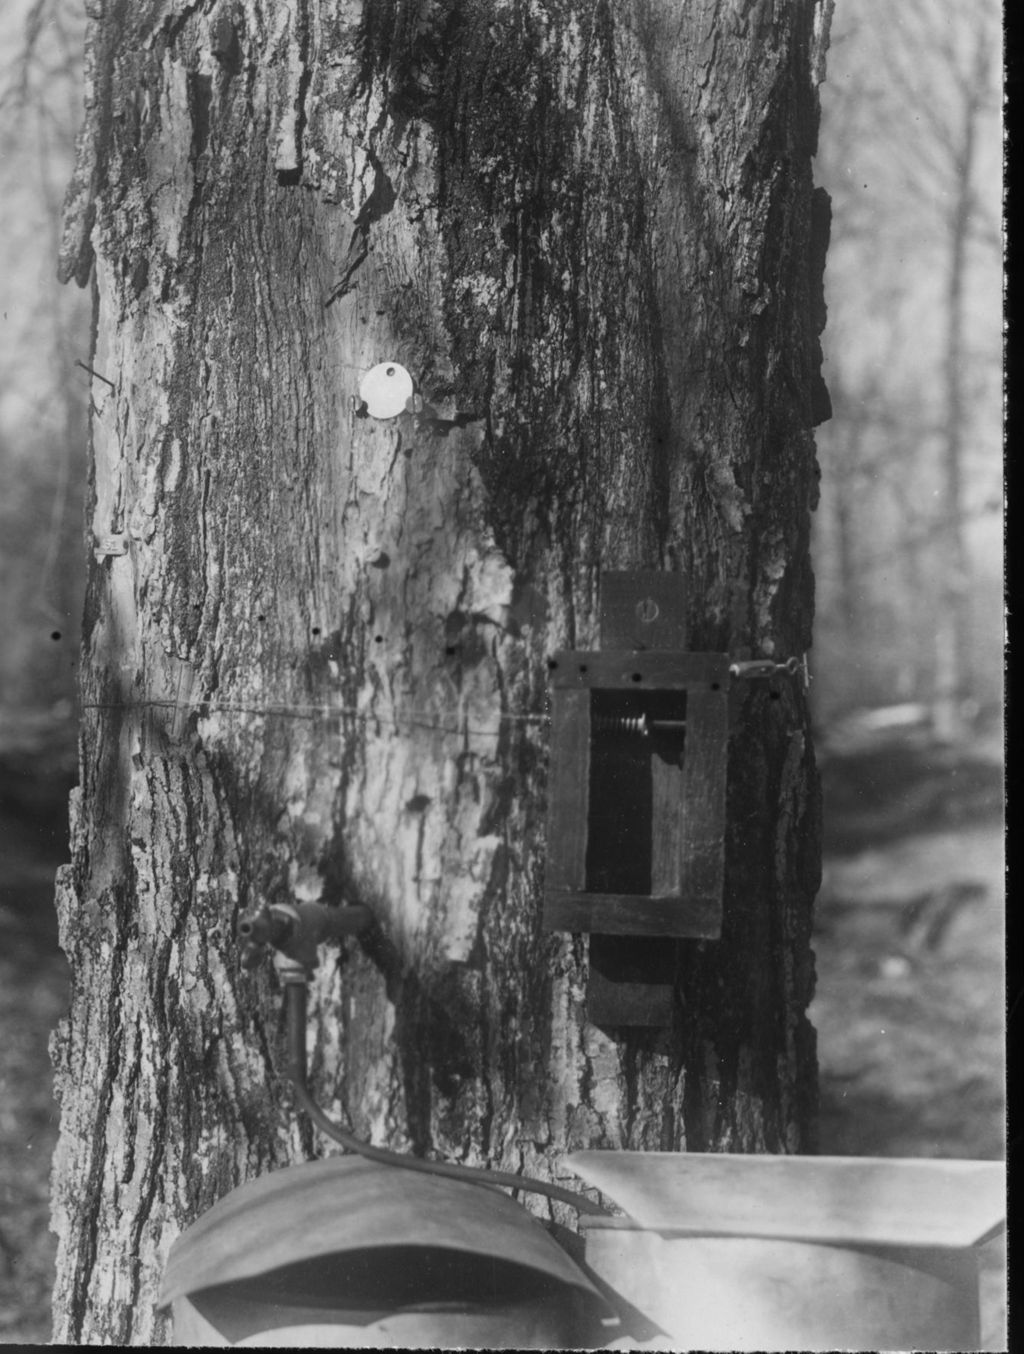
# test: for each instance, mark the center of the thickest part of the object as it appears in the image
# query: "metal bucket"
(746, 1293)
(758, 1252)
(344, 1253)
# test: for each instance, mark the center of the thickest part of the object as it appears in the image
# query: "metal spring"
(639, 724)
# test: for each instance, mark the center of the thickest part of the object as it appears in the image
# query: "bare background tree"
(42, 394)
(44, 328)
(908, 540)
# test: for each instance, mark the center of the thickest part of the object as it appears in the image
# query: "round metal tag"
(385, 389)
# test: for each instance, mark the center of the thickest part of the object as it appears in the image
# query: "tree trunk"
(316, 643)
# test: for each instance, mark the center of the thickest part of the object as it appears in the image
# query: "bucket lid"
(882, 1201)
(347, 1204)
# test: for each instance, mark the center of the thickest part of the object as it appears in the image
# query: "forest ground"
(909, 1007)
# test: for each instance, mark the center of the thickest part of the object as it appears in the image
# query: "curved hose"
(295, 1007)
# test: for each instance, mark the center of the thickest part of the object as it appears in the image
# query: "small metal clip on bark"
(768, 667)
(115, 544)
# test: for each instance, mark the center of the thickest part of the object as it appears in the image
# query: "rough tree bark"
(315, 645)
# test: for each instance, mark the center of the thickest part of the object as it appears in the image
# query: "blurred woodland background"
(908, 654)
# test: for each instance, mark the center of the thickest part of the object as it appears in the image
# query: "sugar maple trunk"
(316, 643)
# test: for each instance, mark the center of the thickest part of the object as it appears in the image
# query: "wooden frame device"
(636, 806)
